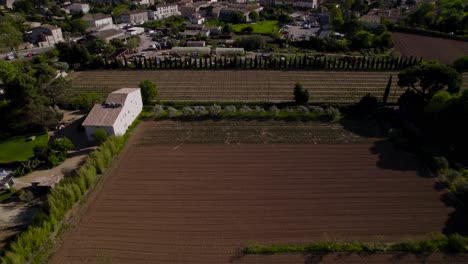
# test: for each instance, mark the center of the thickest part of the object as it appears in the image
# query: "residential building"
(143, 2)
(78, 7)
(114, 116)
(298, 3)
(195, 43)
(163, 11)
(7, 3)
(109, 34)
(225, 14)
(134, 17)
(45, 35)
(98, 21)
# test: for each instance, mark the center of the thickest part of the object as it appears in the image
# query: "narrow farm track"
(249, 86)
(200, 203)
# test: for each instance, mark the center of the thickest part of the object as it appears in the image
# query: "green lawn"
(262, 27)
(19, 149)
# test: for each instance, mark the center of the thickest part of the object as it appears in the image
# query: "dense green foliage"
(440, 243)
(443, 15)
(461, 64)
(429, 78)
(301, 95)
(100, 135)
(148, 91)
(27, 246)
(33, 95)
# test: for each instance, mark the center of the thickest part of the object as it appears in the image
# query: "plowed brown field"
(200, 203)
(429, 48)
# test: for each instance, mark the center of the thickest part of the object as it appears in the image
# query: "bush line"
(60, 200)
(454, 243)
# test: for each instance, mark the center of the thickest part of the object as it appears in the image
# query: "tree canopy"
(427, 79)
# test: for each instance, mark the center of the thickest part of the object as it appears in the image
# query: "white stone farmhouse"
(119, 111)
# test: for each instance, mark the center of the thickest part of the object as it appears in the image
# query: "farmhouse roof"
(106, 114)
(94, 17)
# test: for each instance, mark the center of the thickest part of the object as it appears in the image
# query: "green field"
(19, 149)
(263, 27)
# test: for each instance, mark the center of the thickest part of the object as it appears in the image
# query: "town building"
(78, 7)
(163, 11)
(114, 116)
(134, 17)
(99, 21)
(143, 2)
(196, 43)
(7, 3)
(109, 34)
(45, 35)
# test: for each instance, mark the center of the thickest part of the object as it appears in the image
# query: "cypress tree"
(387, 90)
(145, 62)
(150, 63)
(125, 62)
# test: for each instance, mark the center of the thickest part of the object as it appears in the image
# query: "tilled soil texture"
(429, 48)
(200, 203)
(245, 86)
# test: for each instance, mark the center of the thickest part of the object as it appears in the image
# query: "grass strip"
(454, 243)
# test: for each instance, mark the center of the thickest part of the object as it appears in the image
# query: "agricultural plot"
(248, 86)
(184, 202)
(430, 48)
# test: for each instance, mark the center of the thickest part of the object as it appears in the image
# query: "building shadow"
(75, 133)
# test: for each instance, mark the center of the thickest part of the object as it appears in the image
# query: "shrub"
(214, 110)
(158, 110)
(148, 91)
(41, 152)
(440, 163)
(25, 196)
(172, 112)
(54, 160)
(230, 109)
(303, 110)
(332, 113)
(316, 109)
(62, 145)
(188, 111)
(273, 110)
(301, 95)
(456, 243)
(245, 109)
(259, 110)
(100, 135)
(200, 111)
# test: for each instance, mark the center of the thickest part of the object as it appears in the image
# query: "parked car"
(29, 55)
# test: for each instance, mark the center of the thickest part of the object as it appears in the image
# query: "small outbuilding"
(114, 116)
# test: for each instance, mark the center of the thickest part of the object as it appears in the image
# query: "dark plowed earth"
(429, 48)
(200, 203)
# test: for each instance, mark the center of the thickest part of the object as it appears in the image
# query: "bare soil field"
(248, 86)
(430, 48)
(200, 203)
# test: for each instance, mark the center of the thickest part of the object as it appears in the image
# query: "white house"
(99, 21)
(78, 7)
(119, 111)
(163, 11)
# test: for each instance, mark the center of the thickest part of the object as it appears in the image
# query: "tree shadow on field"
(391, 157)
(458, 219)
